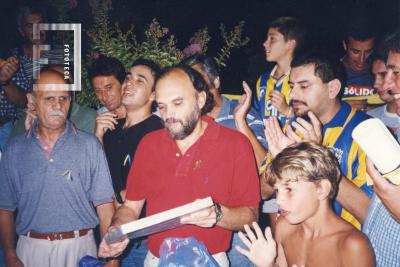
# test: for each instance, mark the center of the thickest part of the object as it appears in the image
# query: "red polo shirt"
(219, 164)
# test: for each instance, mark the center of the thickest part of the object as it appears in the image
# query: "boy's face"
(276, 48)
(297, 200)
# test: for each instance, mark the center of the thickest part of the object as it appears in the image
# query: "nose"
(388, 80)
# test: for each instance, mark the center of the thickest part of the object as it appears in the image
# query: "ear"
(323, 189)
(201, 99)
(334, 88)
(344, 45)
(217, 83)
(152, 96)
(292, 44)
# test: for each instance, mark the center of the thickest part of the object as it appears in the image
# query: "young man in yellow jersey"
(285, 37)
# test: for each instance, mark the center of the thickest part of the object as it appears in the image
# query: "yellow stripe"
(258, 88)
(350, 218)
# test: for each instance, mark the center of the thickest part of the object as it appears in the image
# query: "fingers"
(292, 135)
(247, 89)
(250, 233)
(257, 229)
(268, 234)
(244, 239)
(242, 251)
(203, 218)
(375, 175)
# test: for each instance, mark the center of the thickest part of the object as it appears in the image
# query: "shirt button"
(177, 154)
(51, 160)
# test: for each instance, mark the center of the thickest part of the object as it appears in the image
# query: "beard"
(186, 126)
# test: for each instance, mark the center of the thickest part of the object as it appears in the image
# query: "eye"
(288, 189)
(161, 107)
(178, 103)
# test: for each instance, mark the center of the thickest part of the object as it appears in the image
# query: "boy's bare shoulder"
(355, 249)
(284, 229)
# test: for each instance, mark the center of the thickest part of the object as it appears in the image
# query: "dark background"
(326, 21)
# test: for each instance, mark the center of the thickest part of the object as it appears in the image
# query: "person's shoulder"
(284, 229)
(354, 244)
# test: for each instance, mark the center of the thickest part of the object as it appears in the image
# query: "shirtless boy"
(305, 177)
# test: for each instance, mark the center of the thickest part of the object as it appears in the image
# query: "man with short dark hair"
(181, 163)
(316, 85)
(359, 44)
(62, 183)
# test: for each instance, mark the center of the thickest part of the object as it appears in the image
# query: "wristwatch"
(218, 211)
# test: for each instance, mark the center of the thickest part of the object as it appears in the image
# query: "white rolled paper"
(379, 144)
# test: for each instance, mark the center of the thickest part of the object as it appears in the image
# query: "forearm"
(15, 95)
(259, 150)
(353, 199)
(105, 213)
(123, 215)
(7, 230)
(235, 218)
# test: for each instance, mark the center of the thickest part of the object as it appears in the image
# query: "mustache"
(172, 120)
(294, 101)
(56, 113)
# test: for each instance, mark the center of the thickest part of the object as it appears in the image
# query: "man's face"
(52, 108)
(108, 91)
(392, 79)
(275, 46)
(308, 93)
(358, 52)
(178, 103)
(379, 70)
(137, 87)
(27, 29)
(297, 200)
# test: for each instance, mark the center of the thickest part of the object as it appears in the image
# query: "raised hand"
(105, 122)
(310, 131)
(240, 111)
(276, 139)
(279, 102)
(261, 249)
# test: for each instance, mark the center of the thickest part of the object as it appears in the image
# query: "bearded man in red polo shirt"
(192, 158)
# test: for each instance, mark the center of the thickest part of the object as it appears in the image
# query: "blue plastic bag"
(89, 261)
(185, 252)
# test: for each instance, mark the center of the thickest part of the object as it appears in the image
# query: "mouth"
(283, 212)
(395, 95)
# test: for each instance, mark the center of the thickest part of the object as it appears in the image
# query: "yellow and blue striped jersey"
(265, 85)
(352, 160)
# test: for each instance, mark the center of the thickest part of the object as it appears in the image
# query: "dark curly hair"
(198, 83)
(107, 66)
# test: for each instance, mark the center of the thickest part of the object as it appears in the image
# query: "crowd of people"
(71, 175)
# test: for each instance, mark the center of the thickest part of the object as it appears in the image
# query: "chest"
(323, 252)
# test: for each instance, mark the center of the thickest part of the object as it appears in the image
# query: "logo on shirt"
(337, 152)
(197, 164)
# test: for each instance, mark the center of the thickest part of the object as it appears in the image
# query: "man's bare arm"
(105, 213)
(7, 237)
(353, 199)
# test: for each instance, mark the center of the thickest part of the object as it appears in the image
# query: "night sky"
(325, 19)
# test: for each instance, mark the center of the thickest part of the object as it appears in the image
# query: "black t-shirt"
(120, 147)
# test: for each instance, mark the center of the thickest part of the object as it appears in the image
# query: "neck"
(218, 104)
(198, 131)
(135, 116)
(120, 112)
(50, 136)
(282, 67)
(392, 108)
(318, 224)
(329, 112)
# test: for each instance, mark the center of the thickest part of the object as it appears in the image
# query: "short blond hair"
(305, 161)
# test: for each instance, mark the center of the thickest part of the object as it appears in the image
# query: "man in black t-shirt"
(121, 140)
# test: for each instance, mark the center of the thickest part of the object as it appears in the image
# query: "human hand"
(240, 111)
(276, 139)
(114, 249)
(104, 122)
(388, 193)
(8, 69)
(30, 112)
(13, 261)
(261, 249)
(279, 102)
(204, 218)
(310, 131)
